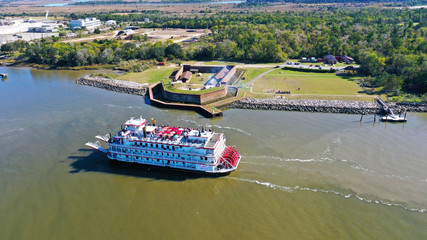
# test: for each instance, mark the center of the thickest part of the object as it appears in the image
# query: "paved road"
(188, 38)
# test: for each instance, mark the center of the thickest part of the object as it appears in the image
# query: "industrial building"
(89, 23)
(45, 27)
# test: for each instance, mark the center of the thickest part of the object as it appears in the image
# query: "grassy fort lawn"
(251, 73)
(307, 83)
(149, 76)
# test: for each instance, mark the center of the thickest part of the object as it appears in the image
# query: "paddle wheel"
(229, 157)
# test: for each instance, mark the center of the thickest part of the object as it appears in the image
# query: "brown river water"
(302, 175)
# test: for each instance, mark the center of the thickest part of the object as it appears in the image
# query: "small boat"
(393, 118)
(3, 75)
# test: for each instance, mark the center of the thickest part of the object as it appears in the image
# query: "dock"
(390, 116)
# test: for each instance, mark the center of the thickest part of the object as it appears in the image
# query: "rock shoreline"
(409, 107)
(325, 106)
(114, 85)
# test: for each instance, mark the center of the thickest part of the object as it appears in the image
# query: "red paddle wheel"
(230, 156)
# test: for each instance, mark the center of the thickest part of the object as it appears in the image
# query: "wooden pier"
(389, 114)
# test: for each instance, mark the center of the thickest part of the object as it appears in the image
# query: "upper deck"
(138, 131)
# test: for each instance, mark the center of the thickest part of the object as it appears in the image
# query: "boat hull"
(148, 167)
(383, 119)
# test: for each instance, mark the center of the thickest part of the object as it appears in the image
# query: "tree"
(106, 56)
(372, 63)
(174, 51)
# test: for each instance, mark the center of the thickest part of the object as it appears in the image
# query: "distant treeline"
(116, 2)
(59, 54)
(111, 2)
(401, 2)
(188, 1)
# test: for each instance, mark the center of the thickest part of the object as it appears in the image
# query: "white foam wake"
(290, 189)
(11, 120)
(282, 159)
(319, 160)
(231, 128)
(11, 131)
(119, 106)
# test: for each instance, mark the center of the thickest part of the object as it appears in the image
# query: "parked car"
(297, 63)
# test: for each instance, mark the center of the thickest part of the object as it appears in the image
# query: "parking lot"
(27, 36)
(315, 65)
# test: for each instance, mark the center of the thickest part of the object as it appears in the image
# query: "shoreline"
(300, 105)
(114, 85)
(325, 106)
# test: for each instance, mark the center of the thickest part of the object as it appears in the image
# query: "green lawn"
(307, 83)
(251, 73)
(175, 89)
(149, 76)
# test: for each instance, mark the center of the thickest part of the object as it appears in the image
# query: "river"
(302, 175)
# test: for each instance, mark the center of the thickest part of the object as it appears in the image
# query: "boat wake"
(11, 120)
(119, 106)
(350, 164)
(281, 159)
(291, 189)
(11, 131)
(231, 128)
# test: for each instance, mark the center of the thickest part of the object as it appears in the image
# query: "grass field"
(251, 73)
(307, 83)
(149, 76)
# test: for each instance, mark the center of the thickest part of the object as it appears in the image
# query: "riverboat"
(201, 151)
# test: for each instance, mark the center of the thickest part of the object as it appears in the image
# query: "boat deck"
(212, 142)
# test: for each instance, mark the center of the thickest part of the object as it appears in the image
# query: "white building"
(110, 23)
(88, 23)
(46, 27)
